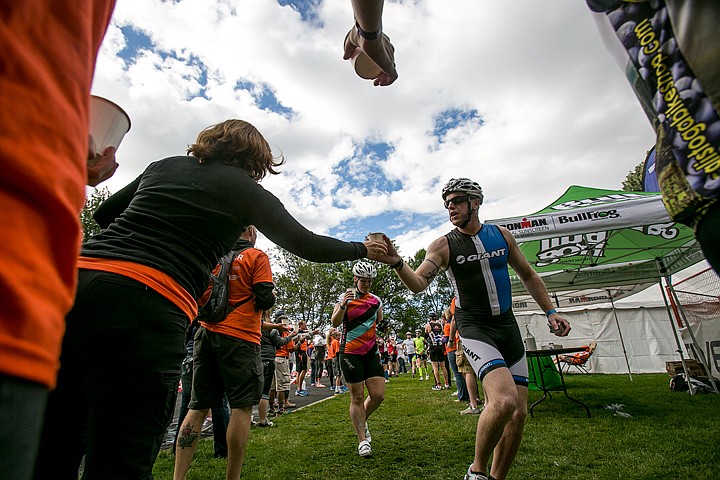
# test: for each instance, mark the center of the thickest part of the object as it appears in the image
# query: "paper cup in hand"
(375, 237)
(364, 67)
(108, 123)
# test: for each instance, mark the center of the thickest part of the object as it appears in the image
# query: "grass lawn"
(418, 434)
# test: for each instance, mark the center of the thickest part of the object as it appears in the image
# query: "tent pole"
(622, 341)
(698, 350)
(662, 270)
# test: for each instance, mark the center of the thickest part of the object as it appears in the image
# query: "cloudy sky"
(520, 95)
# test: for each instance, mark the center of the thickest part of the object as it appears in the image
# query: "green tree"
(435, 298)
(634, 180)
(89, 225)
(307, 290)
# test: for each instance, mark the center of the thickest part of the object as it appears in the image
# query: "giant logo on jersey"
(500, 252)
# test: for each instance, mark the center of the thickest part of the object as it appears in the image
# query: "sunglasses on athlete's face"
(456, 200)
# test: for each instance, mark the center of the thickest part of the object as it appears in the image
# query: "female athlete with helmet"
(360, 313)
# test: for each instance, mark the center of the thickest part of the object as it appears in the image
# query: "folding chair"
(577, 360)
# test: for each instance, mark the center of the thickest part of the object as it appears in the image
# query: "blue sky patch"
(201, 78)
(363, 171)
(265, 98)
(455, 119)
(136, 41)
(307, 10)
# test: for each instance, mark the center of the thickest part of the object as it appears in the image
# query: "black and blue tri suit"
(478, 271)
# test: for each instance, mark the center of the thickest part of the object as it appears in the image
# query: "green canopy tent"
(598, 243)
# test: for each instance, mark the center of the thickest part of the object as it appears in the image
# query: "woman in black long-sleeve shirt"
(138, 284)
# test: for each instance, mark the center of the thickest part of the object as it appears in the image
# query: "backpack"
(216, 309)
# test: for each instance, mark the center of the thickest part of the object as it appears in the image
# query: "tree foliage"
(306, 290)
(89, 225)
(438, 294)
(634, 180)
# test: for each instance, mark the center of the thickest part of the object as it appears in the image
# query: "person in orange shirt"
(330, 353)
(301, 358)
(227, 357)
(334, 371)
(49, 51)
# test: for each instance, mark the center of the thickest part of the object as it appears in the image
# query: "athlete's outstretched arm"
(436, 260)
(534, 284)
(368, 16)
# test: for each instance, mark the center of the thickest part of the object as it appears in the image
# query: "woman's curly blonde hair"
(236, 142)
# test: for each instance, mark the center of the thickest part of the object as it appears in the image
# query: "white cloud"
(556, 108)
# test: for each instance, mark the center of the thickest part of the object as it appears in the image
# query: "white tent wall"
(705, 323)
(646, 332)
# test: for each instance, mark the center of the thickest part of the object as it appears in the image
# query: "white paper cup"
(364, 67)
(375, 237)
(108, 123)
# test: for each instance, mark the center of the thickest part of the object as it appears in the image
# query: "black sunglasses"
(456, 200)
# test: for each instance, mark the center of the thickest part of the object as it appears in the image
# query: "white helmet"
(364, 270)
(463, 185)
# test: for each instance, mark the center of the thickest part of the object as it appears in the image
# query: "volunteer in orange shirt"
(227, 358)
(46, 71)
(301, 357)
(334, 372)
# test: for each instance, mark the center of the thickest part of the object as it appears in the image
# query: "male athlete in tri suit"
(475, 257)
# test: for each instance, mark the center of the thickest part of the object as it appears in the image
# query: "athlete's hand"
(380, 51)
(390, 256)
(349, 295)
(558, 325)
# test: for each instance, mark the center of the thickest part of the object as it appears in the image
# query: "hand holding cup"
(376, 249)
(100, 167)
(559, 326)
(375, 57)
